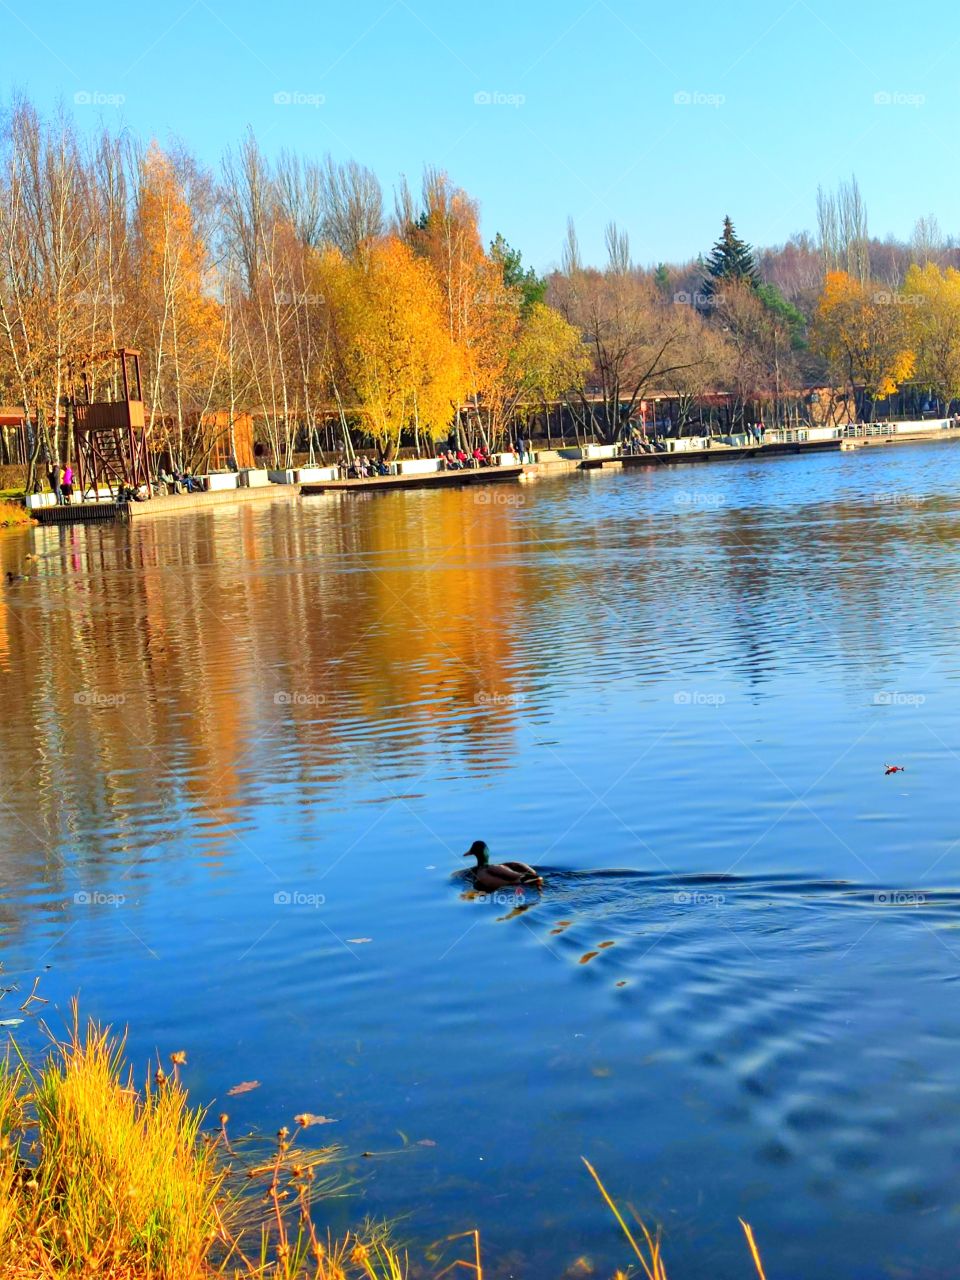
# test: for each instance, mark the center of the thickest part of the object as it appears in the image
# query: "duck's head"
(479, 851)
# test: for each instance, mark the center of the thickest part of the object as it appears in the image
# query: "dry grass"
(12, 515)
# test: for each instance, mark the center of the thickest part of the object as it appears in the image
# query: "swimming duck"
(502, 875)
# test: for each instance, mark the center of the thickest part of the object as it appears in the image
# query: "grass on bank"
(101, 1179)
(13, 515)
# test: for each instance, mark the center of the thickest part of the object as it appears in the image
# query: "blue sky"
(663, 116)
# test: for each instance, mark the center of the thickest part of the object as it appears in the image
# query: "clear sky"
(662, 116)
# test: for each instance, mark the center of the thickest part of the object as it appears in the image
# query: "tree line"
(285, 289)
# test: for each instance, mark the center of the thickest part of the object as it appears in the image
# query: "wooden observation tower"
(109, 434)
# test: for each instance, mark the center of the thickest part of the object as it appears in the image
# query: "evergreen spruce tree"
(730, 259)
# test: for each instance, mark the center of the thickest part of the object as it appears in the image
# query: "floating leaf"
(603, 945)
(588, 956)
(582, 1266)
(426, 1142)
(356, 941)
(244, 1086)
(621, 983)
(307, 1118)
(11, 1022)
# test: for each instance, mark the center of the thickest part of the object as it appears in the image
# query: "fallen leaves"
(245, 1086)
(307, 1118)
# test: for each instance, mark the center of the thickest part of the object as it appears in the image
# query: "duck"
(499, 875)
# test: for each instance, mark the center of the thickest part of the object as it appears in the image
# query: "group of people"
(61, 482)
(361, 467)
(177, 481)
(458, 459)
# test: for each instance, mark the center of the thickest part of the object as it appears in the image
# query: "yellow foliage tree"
(548, 358)
(932, 305)
(862, 331)
(482, 312)
(395, 356)
(183, 322)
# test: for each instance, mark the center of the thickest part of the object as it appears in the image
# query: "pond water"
(243, 751)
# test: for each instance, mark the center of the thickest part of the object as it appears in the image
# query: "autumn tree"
(394, 355)
(181, 321)
(635, 339)
(863, 334)
(931, 301)
(547, 362)
(482, 309)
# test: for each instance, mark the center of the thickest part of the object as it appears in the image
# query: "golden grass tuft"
(13, 516)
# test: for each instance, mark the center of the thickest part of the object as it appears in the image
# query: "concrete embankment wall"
(176, 502)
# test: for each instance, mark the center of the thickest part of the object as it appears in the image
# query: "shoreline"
(548, 462)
